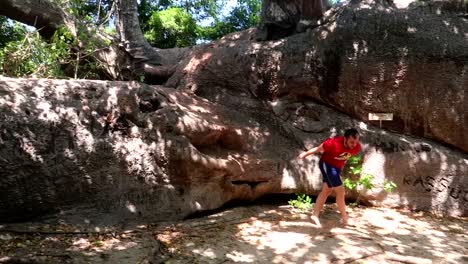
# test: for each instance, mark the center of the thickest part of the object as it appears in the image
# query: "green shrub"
(362, 181)
(31, 56)
(302, 202)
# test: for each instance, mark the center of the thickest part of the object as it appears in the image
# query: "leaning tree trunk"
(154, 64)
(130, 33)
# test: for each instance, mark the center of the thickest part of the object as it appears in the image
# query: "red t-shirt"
(335, 153)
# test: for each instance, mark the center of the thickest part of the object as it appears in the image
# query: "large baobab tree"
(231, 116)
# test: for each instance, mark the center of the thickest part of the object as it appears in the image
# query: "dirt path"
(254, 234)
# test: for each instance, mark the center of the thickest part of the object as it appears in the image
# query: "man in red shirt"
(335, 152)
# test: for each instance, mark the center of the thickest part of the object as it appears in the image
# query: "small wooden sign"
(381, 116)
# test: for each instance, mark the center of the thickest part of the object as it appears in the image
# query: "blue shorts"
(331, 174)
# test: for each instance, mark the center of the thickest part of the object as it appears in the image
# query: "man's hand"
(311, 151)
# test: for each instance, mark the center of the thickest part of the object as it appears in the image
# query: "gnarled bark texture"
(145, 152)
(281, 19)
(396, 65)
(241, 113)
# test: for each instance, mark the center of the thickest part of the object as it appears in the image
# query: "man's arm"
(311, 151)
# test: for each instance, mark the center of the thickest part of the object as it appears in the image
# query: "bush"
(362, 181)
(302, 202)
(31, 56)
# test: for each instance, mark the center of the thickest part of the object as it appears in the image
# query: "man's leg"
(340, 201)
(322, 197)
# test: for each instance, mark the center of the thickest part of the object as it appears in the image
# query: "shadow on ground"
(252, 234)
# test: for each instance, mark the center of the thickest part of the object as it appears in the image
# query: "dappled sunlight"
(288, 180)
(62, 243)
(163, 153)
(427, 177)
(237, 256)
(275, 44)
(28, 147)
(420, 231)
(272, 234)
(87, 244)
(59, 133)
(197, 62)
(112, 98)
(412, 30)
(401, 71)
(403, 3)
(328, 29)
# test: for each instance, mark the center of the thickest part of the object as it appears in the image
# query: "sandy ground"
(252, 234)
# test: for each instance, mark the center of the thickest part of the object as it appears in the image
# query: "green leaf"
(302, 202)
(389, 186)
(349, 184)
(356, 171)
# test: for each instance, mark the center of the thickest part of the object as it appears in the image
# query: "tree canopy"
(164, 23)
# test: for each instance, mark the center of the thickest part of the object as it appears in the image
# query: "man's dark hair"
(351, 132)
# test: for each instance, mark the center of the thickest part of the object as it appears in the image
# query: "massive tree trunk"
(241, 113)
(124, 151)
(394, 66)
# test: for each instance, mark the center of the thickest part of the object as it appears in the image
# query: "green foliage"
(86, 10)
(364, 181)
(354, 160)
(173, 27)
(33, 57)
(389, 186)
(198, 9)
(245, 14)
(178, 23)
(349, 184)
(202, 9)
(302, 202)
(10, 31)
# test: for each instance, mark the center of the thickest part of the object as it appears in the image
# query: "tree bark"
(352, 67)
(280, 19)
(43, 15)
(130, 33)
(155, 65)
(125, 151)
(242, 112)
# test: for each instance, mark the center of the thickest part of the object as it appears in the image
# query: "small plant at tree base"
(364, 182)
(302, 202)
(389, 186)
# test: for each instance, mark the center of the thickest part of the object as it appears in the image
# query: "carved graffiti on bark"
(430, 184)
